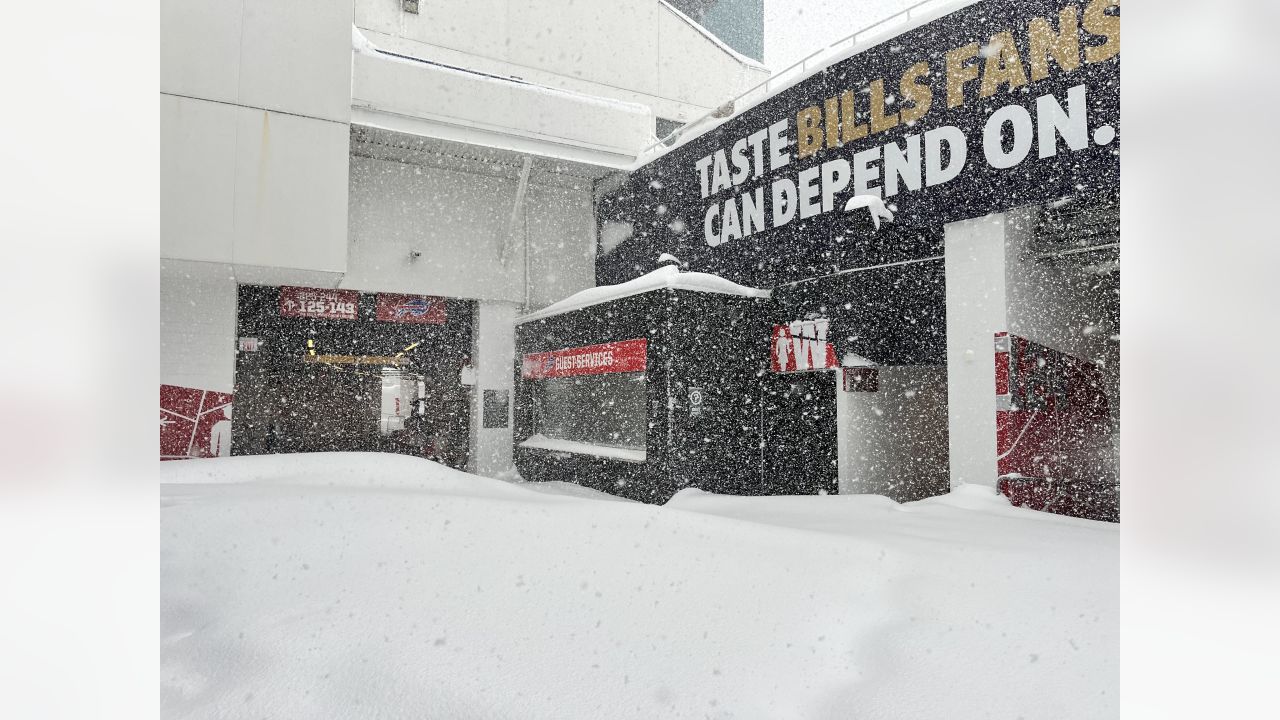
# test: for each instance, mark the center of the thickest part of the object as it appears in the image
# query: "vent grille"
(1071, 231)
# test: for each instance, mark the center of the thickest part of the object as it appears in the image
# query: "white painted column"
(493, 355)
(976, 311)
(846, 468)
(858, 442)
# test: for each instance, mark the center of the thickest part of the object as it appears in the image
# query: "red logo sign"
(194, 423)
(318, 303)
(615, 357)
(802, 345)
(411, 309)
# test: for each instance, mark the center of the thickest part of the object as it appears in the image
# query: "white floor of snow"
(352, 585)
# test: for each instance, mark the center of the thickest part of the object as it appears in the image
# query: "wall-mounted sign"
(422, 309)
(615, 357)
(802, 346)
(695, 402)
(194, 423)
(249, 344)
(996, 105)
(318, 303)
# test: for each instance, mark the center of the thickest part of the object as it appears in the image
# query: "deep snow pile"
(361, 585)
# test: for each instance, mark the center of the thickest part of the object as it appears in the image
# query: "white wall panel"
(295, 57)
(465, 101)
(290, 191)
(197, 179)
(562, 243)
(292, 56)
(200, 48)
(457, 221)
(615, 43)
(974, 258)
(197, 325)
(453, 219)
(892, 438)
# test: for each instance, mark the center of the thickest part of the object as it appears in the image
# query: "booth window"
(596, 409)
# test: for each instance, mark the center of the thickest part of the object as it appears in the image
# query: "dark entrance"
(287, 401)
(799, 454)
(314, 410)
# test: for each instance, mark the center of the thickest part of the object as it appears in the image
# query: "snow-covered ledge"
(668, 276)
(542, 442)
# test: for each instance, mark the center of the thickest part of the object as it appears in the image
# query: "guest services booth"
(629, 389)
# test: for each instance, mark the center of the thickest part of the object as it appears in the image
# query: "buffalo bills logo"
(415, 307)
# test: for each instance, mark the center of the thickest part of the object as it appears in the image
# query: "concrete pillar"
(847, 475)
(976, 311)
(197, 325)
(493, 355)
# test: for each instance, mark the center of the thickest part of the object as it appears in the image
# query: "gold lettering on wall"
(1063, 45)
(831, 121)
(1098, 22)
(1002, 65)
(880, 121)
(808, 137)
(959, 72)
(917, 97)
(850, 130)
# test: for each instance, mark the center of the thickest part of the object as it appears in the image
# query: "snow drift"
(355, 585)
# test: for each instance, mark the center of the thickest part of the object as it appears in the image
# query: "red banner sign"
(802, 345)
(615, 357)
(318, 303)
(194, 423)
(411, 309)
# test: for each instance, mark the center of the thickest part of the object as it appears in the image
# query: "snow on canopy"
(364, 585)
(668, 276)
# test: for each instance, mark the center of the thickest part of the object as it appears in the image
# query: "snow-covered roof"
(913, 17)
(668, 276)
